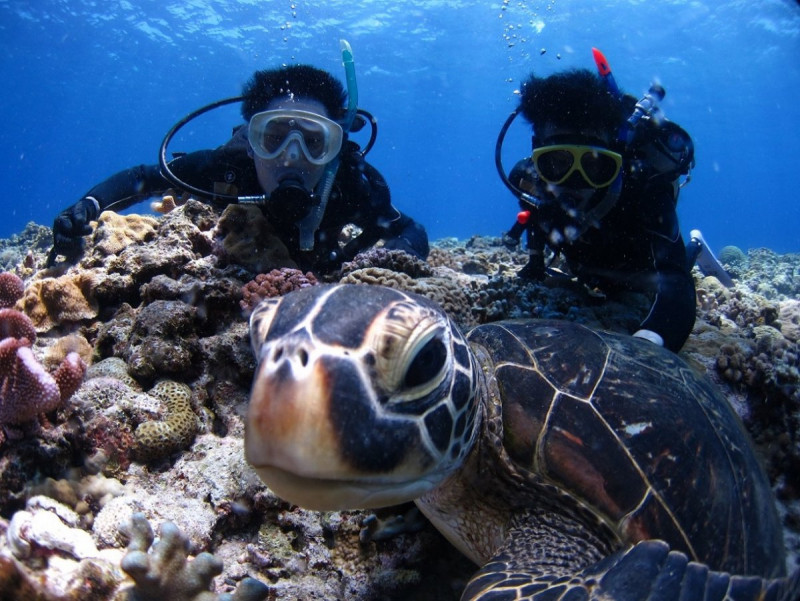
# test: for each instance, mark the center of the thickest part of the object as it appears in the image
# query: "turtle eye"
(426, 363)
(411, 350)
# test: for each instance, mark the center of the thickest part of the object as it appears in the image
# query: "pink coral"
(11, 289)
(26, 388)
(14, 324)
(275, 283)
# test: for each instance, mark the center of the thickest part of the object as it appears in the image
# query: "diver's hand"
(69, 228)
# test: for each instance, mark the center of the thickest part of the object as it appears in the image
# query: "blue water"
(91, 87)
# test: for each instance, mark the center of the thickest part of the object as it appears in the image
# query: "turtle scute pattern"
(632, 432)
(157, 439)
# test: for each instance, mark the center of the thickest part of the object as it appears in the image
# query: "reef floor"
(157, 309)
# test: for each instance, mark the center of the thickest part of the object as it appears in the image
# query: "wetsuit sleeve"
(128, 187)
(134, 185)
(672, 313)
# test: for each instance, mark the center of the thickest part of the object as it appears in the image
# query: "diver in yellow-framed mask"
(599, 189)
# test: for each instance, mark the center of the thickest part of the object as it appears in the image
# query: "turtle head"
(364, 396)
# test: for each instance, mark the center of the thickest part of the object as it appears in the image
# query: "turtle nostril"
(276, 356)
(303, 356)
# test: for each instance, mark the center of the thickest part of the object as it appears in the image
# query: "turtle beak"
(291, 443)
(287, 420)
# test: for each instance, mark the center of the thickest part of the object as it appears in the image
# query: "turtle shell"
(630, 430)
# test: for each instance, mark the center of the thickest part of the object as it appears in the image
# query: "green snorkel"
(309, 224)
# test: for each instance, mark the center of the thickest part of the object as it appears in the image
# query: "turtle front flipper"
(647, 571)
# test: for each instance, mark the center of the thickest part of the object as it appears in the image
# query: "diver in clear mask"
(600, 189)
(293, 158)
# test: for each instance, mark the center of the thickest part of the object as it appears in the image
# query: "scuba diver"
(292, 157)
(600, 188)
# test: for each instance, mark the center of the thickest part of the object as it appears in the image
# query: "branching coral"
(275, 283)
(14, 324)
(164, 571)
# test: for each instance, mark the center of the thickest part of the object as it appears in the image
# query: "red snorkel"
(604, 69)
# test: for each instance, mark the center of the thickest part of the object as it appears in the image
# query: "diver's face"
(291, 163)
(570, 201)
(575, 187)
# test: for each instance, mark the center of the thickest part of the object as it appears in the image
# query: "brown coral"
(275, 283)
(445, 292)
(53, 301)
(393, 260)
(72, 343)
(158, 439)
(115, 232)
(246, 238)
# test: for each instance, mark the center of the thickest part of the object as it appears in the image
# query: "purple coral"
(14, 324)
(26, 388)
(11, 289)
(275, 283)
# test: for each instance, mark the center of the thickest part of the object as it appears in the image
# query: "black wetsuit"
(638, 246)
(359, 196)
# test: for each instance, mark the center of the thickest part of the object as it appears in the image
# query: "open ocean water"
(90, 88)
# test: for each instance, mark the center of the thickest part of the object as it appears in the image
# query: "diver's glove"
(69, 228)
(649, 335)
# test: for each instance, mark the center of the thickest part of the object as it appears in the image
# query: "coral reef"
(275, 283)
(775, 277)
(52, 301)
(734, 260)
(115, 232)
(168, 306)
(392, 260)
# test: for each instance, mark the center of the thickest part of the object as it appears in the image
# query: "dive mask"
(271, 132)
(556, 163)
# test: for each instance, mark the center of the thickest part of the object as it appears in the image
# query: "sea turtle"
(568, 463)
